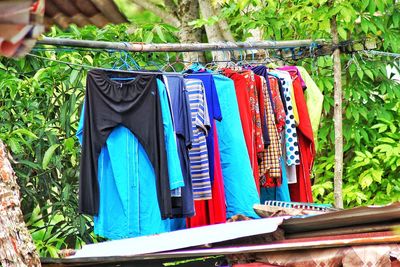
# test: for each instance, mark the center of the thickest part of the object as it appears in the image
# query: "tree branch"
(337, 117)
(163, 14)
(223, 25)
(171, 7)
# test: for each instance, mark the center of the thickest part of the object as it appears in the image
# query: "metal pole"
(172, 47)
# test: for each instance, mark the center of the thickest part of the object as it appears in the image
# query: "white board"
(180, 239)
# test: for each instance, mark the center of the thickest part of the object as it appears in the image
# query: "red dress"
(301, 191)
(247, 98)
(211, 211)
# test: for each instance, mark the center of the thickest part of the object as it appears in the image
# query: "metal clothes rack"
(181, 47)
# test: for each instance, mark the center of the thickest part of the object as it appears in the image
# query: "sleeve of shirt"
(215, 101)
(187, 119)
(79, 131)
(258, 124)
(295, 112)
(206, 120)
(174, 168)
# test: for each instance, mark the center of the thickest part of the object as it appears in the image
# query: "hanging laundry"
(279, 109)
(198, 154)
(270, 169)
(314, 99)
(214, 109)
(290, 146)
(246, 93)
(240, 188)
(134, 104)
(211, 211)
(127, 182)
(184, 135)
(301, 191)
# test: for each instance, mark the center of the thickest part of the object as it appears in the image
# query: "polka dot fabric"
(292, 147)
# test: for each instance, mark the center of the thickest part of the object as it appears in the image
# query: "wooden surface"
(16, 245)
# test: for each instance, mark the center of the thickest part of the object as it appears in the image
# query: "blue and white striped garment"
(198, 154)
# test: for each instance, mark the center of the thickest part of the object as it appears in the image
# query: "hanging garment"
(198, 154)
(127, 182)
(211, 211)
(134, 104)
(270, 169)
(263, 114)
(183, 129)
(280, 193)
(240, 189)
(290, 144)
(214, 109)
(314, 99)
(246, 93)
(301, 191)
(279, 110)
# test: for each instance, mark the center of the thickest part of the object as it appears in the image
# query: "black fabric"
(134, 104)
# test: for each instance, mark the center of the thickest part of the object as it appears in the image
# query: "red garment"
(269, 160)
(261, 105)
(211, 211)
(279, 110)
(246, 93)
(301, 191)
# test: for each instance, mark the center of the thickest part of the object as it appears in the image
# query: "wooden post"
(337, 116)
(16, 246)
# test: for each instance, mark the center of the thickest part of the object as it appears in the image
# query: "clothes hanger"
(168, 64)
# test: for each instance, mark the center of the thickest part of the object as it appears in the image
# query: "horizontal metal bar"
(178, 47)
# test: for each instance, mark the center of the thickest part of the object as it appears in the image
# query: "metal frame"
(179, 47)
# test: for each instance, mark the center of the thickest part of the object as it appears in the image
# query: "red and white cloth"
(21, 23)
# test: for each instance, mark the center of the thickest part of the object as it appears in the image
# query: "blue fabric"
(183, 128)
(240, 188)
(127, 182)
(214, 111)
(280, 193)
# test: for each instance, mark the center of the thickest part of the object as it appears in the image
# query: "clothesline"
(181, 47)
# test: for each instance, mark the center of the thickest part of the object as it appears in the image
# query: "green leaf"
(148, 37)
(26, 132)
(160, 33)
(369, 74)
(364, 25)
(389, 188)
(48, 155)
(372, 6)
(342, 33)
(377, 175)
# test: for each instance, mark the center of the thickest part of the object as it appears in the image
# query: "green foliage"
(40, 103)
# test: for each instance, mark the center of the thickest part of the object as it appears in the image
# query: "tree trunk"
(188, 11)
(16, 246)
(337, 117)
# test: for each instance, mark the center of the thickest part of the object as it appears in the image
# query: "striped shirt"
(198, 154)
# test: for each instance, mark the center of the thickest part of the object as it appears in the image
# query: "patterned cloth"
(269, 167)
(301, 191)
(279, 109)
(198, 154)
(292, 148)
(247, 100)
(255, 110)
